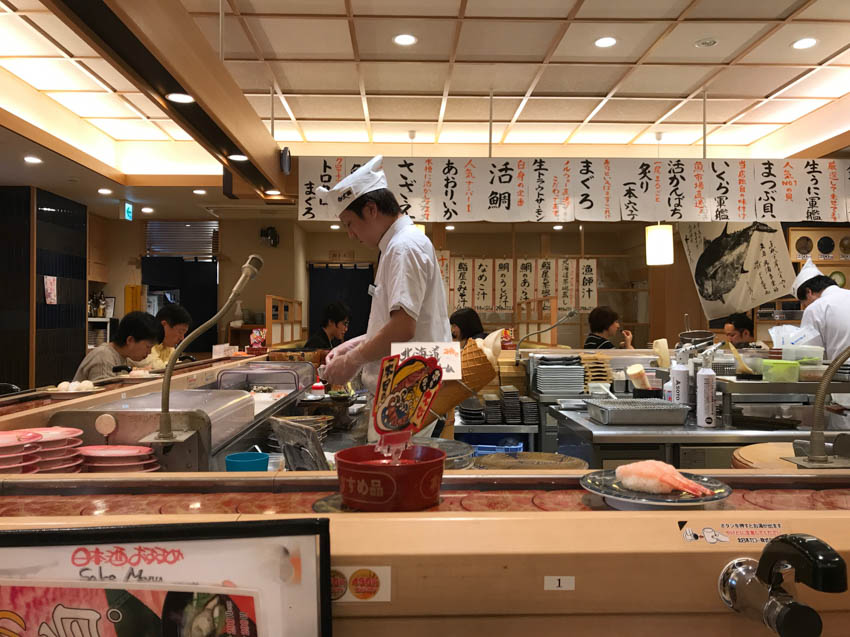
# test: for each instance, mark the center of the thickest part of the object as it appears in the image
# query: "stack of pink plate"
(57, 451)
(118, 459)
(18, 451)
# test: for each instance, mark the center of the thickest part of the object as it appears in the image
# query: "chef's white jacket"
(409, 279)
(829, 316)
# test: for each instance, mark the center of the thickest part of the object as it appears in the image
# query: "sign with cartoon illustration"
(404, 393)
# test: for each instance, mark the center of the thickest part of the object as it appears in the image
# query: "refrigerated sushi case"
(210, 422)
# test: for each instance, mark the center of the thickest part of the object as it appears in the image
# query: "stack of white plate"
(58, 449)
(559, 379)
(118, 459)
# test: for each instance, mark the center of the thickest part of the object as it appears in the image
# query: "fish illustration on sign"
(721, 263)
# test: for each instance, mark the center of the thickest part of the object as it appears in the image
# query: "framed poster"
(245, 579)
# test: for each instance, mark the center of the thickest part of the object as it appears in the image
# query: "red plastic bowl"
(368, 482)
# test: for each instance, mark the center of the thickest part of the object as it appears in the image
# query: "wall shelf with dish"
(829, 249)
(99, 331)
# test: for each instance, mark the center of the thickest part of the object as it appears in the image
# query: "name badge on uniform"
(372, 290)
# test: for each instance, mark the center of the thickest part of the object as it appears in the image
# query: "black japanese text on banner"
(525, 279)
(504, 290)
(484, 285)
(567, 284)
(547, 279)
(463, 283)
(587, 282)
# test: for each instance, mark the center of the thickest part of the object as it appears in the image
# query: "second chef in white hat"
(408, 301)
(826, 309)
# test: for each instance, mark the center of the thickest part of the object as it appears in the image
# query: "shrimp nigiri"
(654, 476)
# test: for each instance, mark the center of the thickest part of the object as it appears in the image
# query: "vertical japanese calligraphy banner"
(567, 284)
(504, 288)
(484, 285)
(587, 283)
(547, 279)
(727, 190)
(462, 282)
(637, 188)
(799, 190)
(444, 259)
(525, 279)
(593, 190)
(737, 266)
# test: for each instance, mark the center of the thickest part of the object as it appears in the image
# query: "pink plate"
(30, 460)
(115, 468)
(64, 461)
(12, 459)
(119, 466)
(15, 440)
(30, 448)
(52, 437)
(114, 453)
(70, 467)
(58, 452)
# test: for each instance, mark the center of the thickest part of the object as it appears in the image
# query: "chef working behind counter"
(826, 309)
(408, 301)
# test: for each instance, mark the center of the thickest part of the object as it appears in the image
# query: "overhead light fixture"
(147, 209)
(187, 225)
(659, 244)
(32, 159)
(272, 192)
(705, 43)
(450, 227)
(557, 227)
(237, 157)
(804, 43)
(179, 98)
(199, 191)
(606, 42)
(335, 226)
(405, 39)
(104, 191)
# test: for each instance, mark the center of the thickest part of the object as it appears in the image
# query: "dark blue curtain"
(15, 234)
(349, 285)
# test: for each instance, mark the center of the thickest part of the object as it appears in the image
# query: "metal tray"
(646, 411)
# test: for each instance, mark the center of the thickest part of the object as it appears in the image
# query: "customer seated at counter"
(739, 330)
(137, 333)
(334, 325)
(604, 325)
(174, 321)
(466, 324)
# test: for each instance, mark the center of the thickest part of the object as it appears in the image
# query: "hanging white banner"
(525, 279)
(567, 282)
(587, 283)
(444, 258)
(504, 289)
(462, 282)
(484, 285)
(547, 279)
(636, 190)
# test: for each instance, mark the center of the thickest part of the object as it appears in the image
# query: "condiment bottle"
(706, 394)
(679, 378)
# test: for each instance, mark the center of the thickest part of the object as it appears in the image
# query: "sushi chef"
(408, 301)
(826, 309)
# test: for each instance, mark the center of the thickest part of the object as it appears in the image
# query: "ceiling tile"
(316, 77)
(262, 104)
(631, 9)
(593, 133)
(536, 133)
(731, 38)
(324, 107)
(777, 48)
(735, 135)
(633, 110)
(537, 9)
(302, 38)
(782, 111)
(827, 10)
(62, 33)
(375, 38)
(504, 40)
(633, 39)
(470, 108)
(335, 131)
(671, 134)
(28, 5)
(678, 81)
(750, 82)
(717, 111)
(579, 80)
(130, 129)
(250, 76)
(324, 7)
(50, 75)
(457, 133)
(109, 74)
(394, 7)
(401, 109)
(173, 130)
(500, 78)
(16, 38)
(390, 132)
(284, 130)
(93, 104)
(557, 109)
(193, 6)
(236, 43)
(403, 77)
(765, 9)
(826, 82)
(145, 105)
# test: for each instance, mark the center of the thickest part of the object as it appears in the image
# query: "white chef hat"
(807, 272)
(370, 176)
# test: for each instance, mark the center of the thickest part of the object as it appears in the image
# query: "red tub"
(368, 482)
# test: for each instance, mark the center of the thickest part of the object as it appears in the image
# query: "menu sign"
(587, 283)
(525, 279)
(446, 354)
(567, 284)
(504, 285)
(463, 283)
(484, 284)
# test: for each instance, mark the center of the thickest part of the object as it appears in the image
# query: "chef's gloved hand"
(344, 366)
(344, 347)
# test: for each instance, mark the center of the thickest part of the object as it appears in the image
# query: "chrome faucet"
(763, 589)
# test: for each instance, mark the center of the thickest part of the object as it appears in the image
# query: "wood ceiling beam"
(361, 81)
(447, 85)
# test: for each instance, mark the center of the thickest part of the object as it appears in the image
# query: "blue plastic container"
(247, 461)
(484, 450)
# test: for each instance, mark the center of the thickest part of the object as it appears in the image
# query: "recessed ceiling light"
(199, 191)
(237, 157)
(604, 43)
(187, 225)
(450, 227)
(104, 191)
(553, 227)
(272, 192)
(705, 43)
(179, 98)
(147, 209)
(32, 159)
(405, 39)
(335, 227)
(804, 43)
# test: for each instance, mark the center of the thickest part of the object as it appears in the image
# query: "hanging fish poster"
(737, 266)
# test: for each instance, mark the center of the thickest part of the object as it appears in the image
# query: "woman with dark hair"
(136, 334)
(334, 325)
(604, 325)
(466, 324)
(174, 321)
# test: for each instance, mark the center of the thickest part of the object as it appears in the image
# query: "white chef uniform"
(828, 315)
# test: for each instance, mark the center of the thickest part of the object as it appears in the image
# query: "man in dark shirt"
(604, 325)
(739, 330)
(334, 326)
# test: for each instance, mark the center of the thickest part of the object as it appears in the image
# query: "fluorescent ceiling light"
(557, 227)
(147, 209)
(50, 75)
(606, 134)
(199, 191)
(741, 135)
(174, 131)
(93, 104)
(532, 133)
(179, 98)
(18, 39)
(405, 39)
(32, 159)
(273, 192)
(804, 43)
(187, 225)
(673, 134)
(450, 227)
(237, 157)
(389, 133)
(606, 42)
(335, 131)
(335, 227)
(125, 130)
(457, 133)
(104, 191)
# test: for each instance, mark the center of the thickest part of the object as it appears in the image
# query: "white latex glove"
(344, 366)
(344, 347)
